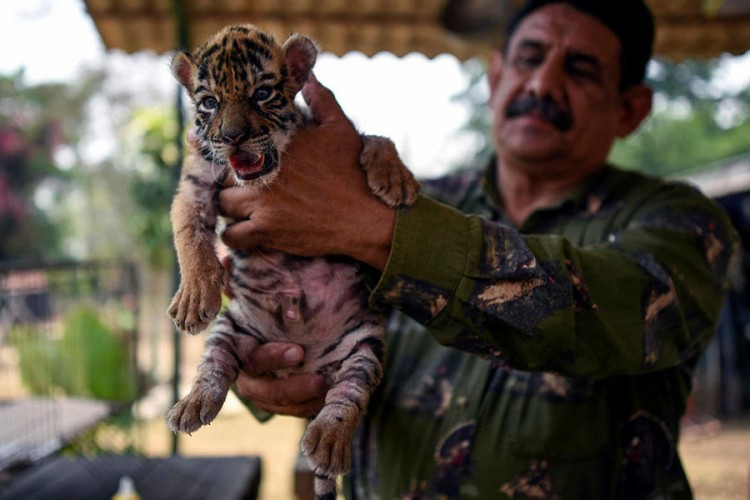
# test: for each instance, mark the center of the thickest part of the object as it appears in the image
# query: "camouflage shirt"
(567, 345)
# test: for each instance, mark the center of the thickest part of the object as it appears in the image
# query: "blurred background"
(90, 138)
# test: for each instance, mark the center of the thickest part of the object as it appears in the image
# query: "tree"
(695, 122)
(35, 121)
(150, 138)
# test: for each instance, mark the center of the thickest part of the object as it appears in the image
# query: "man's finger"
(281, 395)
(226, 263)
(239, 235)
(307, 409)
(323, 105)
(229, 179)
(233, 202)
(272, 356)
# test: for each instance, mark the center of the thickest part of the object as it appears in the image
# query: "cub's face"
(243, 85)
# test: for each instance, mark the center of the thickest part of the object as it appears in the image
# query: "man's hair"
(630, 20)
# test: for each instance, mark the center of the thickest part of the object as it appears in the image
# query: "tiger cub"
(242, 84)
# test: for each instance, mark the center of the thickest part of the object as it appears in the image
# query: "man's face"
(555, 93)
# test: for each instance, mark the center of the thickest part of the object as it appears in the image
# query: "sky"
(408, 99)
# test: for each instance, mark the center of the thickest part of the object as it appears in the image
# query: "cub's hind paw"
(387, 176)
(327, 440)
(196, 304)
(197, 409)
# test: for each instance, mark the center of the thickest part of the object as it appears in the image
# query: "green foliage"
(114, 435)
(668, 144)
(89, 360)
(99, 360)
(35, 121)
(695, 122)
(39, 359)
(84, 208)
(150, 137)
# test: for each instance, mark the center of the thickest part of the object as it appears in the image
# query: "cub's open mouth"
(248, 166)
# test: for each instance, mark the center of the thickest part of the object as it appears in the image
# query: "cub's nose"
(232, 137)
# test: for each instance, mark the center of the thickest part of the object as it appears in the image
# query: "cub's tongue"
(246, 163)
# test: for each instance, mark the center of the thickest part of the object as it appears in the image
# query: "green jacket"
(567, 346)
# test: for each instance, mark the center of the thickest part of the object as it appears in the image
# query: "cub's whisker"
(218, 179)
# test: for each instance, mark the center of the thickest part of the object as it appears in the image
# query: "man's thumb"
(323, 105)
(271, 356)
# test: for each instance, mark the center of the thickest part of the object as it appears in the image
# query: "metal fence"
(68, 338)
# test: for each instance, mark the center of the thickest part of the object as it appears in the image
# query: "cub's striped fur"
(243, 85)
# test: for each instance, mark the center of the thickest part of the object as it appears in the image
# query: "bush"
(89, 360)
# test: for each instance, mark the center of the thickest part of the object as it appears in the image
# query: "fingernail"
(292, 355)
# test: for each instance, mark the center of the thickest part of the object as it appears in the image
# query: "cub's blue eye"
(210, 103)
(262, 94)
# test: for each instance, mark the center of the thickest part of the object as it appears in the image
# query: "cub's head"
(243, 85)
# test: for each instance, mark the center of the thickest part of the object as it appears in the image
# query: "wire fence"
(68, 339)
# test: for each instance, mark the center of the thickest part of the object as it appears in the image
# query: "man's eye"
(584, 71)
(262, 94)
(528, 61)
(210, 103)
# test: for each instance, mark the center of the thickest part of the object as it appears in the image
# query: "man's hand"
(297, 395)
(320, 203)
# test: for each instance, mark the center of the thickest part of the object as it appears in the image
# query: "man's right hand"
(297, 395)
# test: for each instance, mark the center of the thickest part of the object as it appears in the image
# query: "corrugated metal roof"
(685, 28)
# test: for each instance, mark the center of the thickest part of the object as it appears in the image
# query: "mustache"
(546, 107)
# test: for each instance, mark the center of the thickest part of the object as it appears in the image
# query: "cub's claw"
(197, 302)
(387, 176)
(196, 409)
(327, 439)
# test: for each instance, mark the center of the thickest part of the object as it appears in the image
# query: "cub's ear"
(183, 68)
(300, 54)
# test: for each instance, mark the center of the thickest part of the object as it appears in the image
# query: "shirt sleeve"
(647, 298)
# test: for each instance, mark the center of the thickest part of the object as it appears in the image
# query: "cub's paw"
(327, 440)
(387, 176)
(196, 303)
(196, 409)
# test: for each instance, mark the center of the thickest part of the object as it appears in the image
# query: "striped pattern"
(243, 85)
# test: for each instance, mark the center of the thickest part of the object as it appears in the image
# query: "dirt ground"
(716, 454)
(236, 432)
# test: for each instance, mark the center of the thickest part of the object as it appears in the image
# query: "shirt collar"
(593, 189)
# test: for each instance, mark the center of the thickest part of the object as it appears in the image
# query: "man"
(571, 299)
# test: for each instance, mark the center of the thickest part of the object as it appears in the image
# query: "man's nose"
(547, 81)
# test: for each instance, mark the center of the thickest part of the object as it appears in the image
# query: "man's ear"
(636, 106)
(183, 68)
(495, 72)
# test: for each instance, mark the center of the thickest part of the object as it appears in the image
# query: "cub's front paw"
(327, 440)
(196, 409)
(387, 176)
(196, 303)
